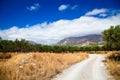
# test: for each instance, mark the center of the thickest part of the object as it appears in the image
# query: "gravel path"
(90, 69)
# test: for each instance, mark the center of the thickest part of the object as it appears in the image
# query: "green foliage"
(25, 46)
(112, 38)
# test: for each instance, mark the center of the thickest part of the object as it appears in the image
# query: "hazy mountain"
(32, 42)
(93, 39)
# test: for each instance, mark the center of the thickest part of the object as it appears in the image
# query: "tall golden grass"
(113, 61)
(37, 66)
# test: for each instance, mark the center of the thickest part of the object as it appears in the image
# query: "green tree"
(112, 37)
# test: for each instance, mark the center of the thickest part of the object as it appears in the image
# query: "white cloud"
(63, 7)
(35, 6)
(53, 32)
(96, 11)
(74, 7)
(103, 15)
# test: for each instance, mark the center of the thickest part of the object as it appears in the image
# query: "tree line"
(25, 46)
(111, 37)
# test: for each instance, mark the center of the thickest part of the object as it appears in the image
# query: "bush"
(115, 55)
(5, 55)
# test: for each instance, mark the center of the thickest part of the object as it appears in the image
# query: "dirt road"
(90, 69)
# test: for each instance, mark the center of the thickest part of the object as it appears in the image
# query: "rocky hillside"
(94, 39)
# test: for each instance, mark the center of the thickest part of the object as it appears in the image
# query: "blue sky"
(44, 18)
(15, 12)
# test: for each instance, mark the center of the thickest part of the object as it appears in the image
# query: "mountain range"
(93, 39)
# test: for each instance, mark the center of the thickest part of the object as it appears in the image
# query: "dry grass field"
(113, 61)
(37, 66)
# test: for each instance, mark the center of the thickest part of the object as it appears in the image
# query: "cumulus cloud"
(33, 7)
(50, 33)
(63, 7)
(96, 11)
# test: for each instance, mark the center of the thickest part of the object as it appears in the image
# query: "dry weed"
(38, 66)
(113, 61)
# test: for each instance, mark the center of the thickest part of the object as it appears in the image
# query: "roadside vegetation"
(112, 38)
(113, 61)
(37, 66)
